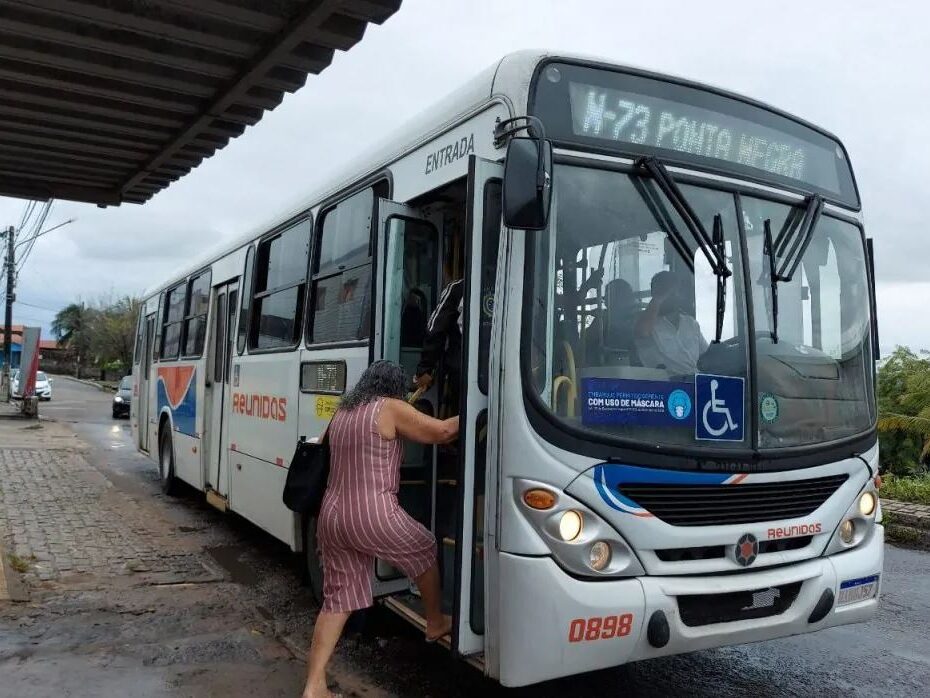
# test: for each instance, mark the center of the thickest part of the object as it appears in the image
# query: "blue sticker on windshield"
(719, 408)
(636, 402)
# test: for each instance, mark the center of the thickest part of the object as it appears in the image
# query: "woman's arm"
(403, 419)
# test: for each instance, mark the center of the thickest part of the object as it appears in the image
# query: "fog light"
(570, 525)
(599, 556)
(847, 531)
(866, 503)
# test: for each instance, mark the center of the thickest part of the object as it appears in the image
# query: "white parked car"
(43, 385)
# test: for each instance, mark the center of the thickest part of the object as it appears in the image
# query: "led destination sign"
(679, 122)
(621, 116)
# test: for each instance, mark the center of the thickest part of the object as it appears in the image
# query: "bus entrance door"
(482, 238)
(408, 277)
(219, 369)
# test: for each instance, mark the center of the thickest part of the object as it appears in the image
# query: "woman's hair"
(381, 379)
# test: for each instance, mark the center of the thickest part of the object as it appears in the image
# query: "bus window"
(342, 270)
(137, 350)
(195, 322)
(281, 270)
(173, 322)
(409, 288)
(246, 297)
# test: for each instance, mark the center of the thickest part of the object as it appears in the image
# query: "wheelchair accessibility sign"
(718, 404)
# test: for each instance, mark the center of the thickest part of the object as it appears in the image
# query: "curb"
(906, 523)
(93, 384)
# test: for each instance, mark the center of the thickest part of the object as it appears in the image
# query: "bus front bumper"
(554, 625)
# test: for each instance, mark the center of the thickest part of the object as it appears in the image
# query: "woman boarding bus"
(606, 498)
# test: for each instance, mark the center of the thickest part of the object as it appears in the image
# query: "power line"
(27, 212)
(40, 307)
(35, 232)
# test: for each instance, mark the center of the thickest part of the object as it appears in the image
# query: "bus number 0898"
(600, 628)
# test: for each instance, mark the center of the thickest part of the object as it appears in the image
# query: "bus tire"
(312, 565)
(169, 485)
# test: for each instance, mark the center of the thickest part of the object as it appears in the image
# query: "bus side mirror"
(528, 183)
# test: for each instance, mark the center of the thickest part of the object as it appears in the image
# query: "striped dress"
(360, 519)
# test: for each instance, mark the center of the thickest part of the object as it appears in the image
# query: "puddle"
(227, 557)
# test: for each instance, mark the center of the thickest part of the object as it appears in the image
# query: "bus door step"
(216, 500)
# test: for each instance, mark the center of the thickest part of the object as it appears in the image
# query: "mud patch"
(229, 558)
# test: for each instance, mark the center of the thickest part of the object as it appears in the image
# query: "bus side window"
(195, 320)
(173, 321)
(278, 296)
(342, 266)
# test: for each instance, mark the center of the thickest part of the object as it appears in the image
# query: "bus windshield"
(626, 313)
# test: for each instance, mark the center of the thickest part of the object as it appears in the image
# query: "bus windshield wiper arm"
(800, 240)
(720, 249)
(669, 187)
(714, 249)
(797, 239)
(768, 249)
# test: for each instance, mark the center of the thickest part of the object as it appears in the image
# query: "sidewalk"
(61, 518)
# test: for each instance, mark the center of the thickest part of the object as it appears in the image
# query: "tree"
(904, 411)
(72, 328)
(102, 335)
(114, 332)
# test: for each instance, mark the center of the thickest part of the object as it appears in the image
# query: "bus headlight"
(858, 522)
(570, 525)
(580, 541)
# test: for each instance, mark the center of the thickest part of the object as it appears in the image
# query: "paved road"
(889, 656)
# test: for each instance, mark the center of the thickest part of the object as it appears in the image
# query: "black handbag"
(306, 478)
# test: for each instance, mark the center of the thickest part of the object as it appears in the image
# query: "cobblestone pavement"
(64, 519)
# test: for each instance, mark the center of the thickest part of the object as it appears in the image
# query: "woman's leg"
(437, 624)
(326, 633)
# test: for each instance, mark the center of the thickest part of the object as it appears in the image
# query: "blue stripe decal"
(609, 476)
(850, 583)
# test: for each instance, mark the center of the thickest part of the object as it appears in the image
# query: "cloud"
(854, 67)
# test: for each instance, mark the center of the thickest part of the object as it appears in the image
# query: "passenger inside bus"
(667, 334)
(442, 347)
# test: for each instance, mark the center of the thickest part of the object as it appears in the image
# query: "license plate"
(854, 590)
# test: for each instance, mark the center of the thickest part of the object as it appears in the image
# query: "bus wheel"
(166, 463)
(313, 566)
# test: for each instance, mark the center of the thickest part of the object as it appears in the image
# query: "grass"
(915, 489)
(19, 564)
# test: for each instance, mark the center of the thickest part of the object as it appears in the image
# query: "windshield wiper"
(721, 278)
(769, 249)
(713, 249)
(798, 238)
(669, 187)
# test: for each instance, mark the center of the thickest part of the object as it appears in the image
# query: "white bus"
(668, 406)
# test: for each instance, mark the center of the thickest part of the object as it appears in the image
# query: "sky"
(856, 68)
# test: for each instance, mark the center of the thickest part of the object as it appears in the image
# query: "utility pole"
(8, 330)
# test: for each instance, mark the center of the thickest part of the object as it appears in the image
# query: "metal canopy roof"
(107, 101)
